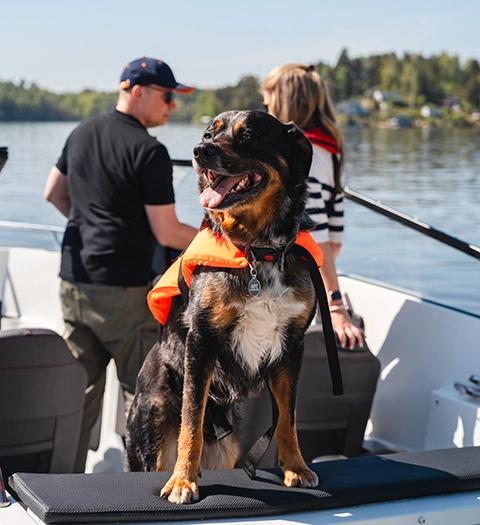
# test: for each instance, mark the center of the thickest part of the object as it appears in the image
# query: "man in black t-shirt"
(113, 181)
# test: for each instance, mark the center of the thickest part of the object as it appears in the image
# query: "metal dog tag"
(254, 286)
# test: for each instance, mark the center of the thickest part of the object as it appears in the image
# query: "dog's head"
(253, 176)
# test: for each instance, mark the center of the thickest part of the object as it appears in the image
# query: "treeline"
(31, 103)
(417, 80)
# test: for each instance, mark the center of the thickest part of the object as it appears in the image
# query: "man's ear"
(301, 148)
(137, 92)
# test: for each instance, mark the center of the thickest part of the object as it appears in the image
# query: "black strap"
(267, 254)
(221, 425)
(258, 450)
(270, 254)
(336, 168)
(184, 289)
(330, 343)
(330, 204)
(256, 453)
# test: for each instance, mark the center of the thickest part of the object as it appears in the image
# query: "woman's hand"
(348, 334)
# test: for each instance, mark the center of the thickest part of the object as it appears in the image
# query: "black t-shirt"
(114, 167)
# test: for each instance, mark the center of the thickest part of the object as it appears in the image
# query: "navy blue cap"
(144, 71)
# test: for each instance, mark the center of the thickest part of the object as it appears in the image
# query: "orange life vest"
(208, 249)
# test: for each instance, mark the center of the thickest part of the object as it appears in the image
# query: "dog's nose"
(205, 150)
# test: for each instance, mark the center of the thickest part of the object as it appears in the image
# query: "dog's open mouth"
(223, 185)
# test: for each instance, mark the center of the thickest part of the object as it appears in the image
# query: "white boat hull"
(424, 348)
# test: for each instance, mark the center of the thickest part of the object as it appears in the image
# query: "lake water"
(430, 174)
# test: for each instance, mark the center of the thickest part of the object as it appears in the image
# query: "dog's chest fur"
(258, 336)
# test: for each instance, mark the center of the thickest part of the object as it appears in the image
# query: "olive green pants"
(102, 323)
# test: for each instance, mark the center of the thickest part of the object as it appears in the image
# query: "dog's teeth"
(211, 176)
(243, 183)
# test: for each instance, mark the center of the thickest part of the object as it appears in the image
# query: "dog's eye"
(246, 136)
(207, 135)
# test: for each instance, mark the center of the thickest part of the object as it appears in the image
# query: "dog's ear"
(301, 149)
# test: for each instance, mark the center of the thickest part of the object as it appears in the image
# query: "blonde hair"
(299, 94)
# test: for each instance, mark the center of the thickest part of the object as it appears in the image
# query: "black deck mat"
(134, 496)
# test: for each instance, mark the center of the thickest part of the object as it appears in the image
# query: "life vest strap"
(182, 285)
(330, 342)
(256, 453)
(258, 450)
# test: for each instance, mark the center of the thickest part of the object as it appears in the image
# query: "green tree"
(342, 75)
(390, 73)
(409, 78)
(472, 84)
(449, 74)
(207, 105)
(246, 94)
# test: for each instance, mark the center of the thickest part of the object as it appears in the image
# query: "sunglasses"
(169, 95)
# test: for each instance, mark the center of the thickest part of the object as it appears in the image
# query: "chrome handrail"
(56, 231)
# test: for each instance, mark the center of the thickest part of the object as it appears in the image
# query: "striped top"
(322, 206)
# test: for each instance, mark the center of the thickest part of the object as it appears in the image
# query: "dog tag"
(254, 287)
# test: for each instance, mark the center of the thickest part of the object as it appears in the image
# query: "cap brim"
(181, 88)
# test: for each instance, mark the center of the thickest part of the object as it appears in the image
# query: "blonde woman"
(296, 92)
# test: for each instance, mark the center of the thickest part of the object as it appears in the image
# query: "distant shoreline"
(380, 90)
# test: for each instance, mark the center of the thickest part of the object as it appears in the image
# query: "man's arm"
(56, 191)
(166, 227)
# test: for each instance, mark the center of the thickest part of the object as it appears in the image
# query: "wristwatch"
(336, 295)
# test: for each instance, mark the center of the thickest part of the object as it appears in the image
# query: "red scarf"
(318, 137)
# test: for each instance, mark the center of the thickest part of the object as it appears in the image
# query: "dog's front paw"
(302, 477)
(179, 490)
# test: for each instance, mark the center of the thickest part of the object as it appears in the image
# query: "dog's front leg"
(182, 486)
(283, 383)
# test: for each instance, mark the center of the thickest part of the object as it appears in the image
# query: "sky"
(70, 45)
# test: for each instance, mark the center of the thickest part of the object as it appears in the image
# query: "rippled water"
(430, 174)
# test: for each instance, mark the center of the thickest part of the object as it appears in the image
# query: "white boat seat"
(43, 391)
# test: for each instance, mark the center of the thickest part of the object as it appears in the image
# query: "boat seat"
(231, 496)
(43, 391)
(327, 425)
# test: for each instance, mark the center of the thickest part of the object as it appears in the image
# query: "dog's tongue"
(212, 196)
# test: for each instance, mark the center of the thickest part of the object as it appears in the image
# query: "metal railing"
(412, 222)
(56, 231)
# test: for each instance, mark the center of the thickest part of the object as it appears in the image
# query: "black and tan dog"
(241, 324)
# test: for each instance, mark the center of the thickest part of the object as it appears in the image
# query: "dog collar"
(269, 254)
